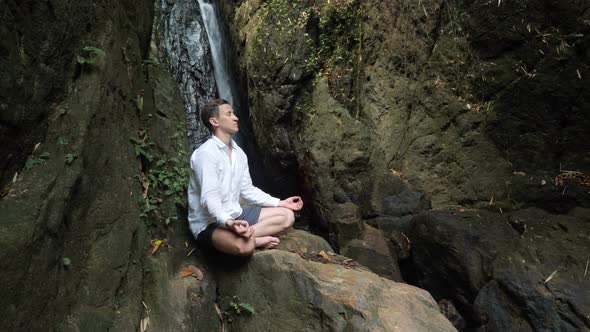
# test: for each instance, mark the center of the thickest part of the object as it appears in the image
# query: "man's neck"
(224, 137)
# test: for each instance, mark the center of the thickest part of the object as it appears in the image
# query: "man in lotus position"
(219, 176)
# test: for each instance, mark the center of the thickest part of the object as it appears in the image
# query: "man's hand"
(294, 203)
(240, 227)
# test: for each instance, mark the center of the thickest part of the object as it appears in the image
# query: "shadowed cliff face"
(389, 108)
(38, 59)
(70, 223)
(80, 222)
(459, 98)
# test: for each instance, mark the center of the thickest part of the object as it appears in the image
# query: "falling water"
(223, 78)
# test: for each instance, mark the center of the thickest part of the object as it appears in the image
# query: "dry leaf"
(324, 255)
(36, 147)
(144, 324)
(155, 246)
(518, 173)
(191, 271)
(222, 327)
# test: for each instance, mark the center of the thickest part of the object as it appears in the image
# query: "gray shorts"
(250, 214)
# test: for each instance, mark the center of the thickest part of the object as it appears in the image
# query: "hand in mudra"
(294, 203)
(240, 227)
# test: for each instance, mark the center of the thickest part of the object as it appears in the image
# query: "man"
(219, 176)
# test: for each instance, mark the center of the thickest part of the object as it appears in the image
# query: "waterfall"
(195, 42)
(223, 78)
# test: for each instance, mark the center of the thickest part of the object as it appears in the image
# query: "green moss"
(340, 33)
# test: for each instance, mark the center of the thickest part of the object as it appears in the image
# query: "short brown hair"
(211, 110)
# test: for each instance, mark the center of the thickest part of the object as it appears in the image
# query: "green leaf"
(45, 155)
(66, 261)
(94, 50)
(247, 308)
(81, 60)
(70, 157)
(62, 141)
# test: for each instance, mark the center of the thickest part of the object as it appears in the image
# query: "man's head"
(218, 113)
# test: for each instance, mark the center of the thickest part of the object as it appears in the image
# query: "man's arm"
(204, 167)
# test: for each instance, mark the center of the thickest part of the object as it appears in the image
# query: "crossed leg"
(231, 243)
(272, 221)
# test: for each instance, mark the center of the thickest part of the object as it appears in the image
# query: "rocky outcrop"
(83, 227)
(523, 271)
(290, 293)
(348, 91)
(74, 244)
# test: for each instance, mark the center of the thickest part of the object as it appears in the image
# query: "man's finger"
(247, 233)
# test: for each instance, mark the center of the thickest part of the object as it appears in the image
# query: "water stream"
(221, 64)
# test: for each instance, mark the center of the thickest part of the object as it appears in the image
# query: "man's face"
(226, 121)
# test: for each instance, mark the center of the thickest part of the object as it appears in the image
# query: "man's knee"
(289, 217)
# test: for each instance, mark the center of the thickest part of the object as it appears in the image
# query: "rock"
(345, 221)
(291, 294)
(448, 309)
(373, 251)
(298, 241)
(521, 270)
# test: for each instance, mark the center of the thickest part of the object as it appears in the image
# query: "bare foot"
(267, 242)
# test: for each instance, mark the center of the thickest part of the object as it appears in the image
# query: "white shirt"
(216, 184)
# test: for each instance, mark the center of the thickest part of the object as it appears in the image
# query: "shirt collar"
(222, 145)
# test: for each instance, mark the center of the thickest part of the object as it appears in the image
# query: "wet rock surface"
(186, 43)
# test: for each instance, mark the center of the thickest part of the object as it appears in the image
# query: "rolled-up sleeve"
(205, 168)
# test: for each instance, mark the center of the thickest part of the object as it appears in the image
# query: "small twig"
(190, 252)
(551, 276)
(586, 271)
(563, 192)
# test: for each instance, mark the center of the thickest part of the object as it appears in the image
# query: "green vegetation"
(340, 33)
(35, 161)
(163, 178)
(237, 308)
(89, 54)
(70, 157)
(143, 148)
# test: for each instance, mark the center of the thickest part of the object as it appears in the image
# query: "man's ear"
(213, 122)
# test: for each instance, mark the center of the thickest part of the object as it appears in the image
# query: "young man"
(219, 176)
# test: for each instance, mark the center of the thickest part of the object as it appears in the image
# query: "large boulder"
(522, 270)
(290, 293)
